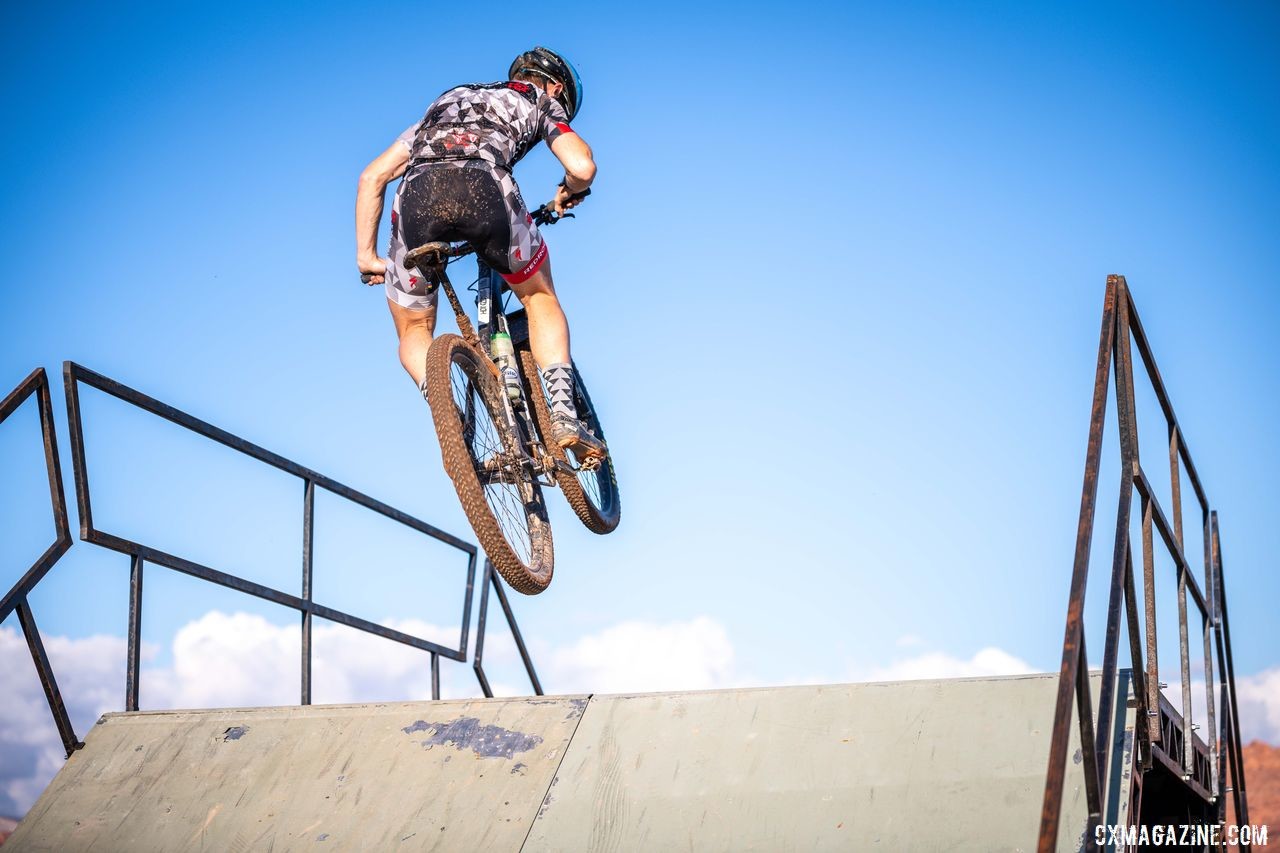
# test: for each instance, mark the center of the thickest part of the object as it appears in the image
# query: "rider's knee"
(408, 319)
(539, 283)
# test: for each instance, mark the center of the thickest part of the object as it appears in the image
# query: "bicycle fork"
(492, 319)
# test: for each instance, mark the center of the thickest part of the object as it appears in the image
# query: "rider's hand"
(374, 267)
(563, 202)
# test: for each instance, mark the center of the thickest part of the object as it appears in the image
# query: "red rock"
(1262, 785)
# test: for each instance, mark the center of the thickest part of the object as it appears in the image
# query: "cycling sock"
(559, 379)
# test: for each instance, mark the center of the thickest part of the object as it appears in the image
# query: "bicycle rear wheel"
(593, 494)
(498, 491)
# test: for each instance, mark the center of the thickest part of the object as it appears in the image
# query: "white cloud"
(239, 659)
(988, 661)
(219, 660)
(222, 660)
(635, 657)
(1258, 700)
(226, 660)
(90, 673)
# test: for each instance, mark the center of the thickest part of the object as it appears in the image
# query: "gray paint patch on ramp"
(470, 733)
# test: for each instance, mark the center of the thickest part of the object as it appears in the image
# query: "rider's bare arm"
(370, 194)
(579, 168)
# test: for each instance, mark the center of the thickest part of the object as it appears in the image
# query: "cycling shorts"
(467, 200)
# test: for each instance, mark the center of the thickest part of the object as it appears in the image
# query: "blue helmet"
(551, 65)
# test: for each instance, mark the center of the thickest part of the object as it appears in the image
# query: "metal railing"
(141, 554)
(1165, 734)
(16, 598)
(491, 580)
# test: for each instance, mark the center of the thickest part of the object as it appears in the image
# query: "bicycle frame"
(492, 319)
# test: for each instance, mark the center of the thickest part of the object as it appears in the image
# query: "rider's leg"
(549, 341)
(415, 328)
(548, 327)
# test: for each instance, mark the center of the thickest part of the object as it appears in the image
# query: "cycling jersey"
(495, 122)
(458, 183)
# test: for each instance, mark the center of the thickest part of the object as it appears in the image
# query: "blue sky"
(836, 292)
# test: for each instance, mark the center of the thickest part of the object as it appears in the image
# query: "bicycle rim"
(499, 494)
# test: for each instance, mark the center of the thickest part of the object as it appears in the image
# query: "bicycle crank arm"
(588, 465)
(498, 470)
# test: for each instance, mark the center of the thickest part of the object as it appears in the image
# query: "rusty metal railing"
(140, 554)
(1165, 735)
(37, 383)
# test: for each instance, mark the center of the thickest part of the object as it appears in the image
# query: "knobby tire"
(499, 512)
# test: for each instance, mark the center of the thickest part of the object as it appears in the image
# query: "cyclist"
(456, 163)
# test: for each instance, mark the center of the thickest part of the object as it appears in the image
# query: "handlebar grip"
(366, 277)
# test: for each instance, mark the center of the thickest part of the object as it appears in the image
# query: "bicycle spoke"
(484, 440)
(509, 511)
(590, 481)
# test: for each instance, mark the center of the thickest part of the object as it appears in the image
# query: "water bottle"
(505, 354)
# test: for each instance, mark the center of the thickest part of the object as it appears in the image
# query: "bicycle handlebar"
(544, 215)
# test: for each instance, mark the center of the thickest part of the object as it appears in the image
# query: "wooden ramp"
(920, 765)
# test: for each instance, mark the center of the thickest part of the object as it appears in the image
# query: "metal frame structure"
(1167, 738)
(490, 579)
(141, 554)
(37, 383)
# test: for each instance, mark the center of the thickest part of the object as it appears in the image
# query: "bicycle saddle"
(428, 256)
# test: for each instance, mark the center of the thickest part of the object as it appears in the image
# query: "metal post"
(1127, 418)
(308, 540)
(1184, 652)
(79, 469)
(435, 676)
(481, 622)
(53, 466)
(1051, 810)
(1210, 628)
(1233, 742)
(1175, 481)
(51, 693)
(135, 634)
(1211, 730)
(1135, 661)
(1149, 601)
(466, 604)
(516, 635)
(1092, 782)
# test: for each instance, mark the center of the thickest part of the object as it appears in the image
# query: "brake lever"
(546, 215)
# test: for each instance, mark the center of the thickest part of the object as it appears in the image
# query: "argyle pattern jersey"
(495, 122)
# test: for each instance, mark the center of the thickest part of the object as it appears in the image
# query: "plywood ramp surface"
(922, 765)
(412, 776)
(919, 765)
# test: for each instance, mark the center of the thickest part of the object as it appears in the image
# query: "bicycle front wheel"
(482, 455)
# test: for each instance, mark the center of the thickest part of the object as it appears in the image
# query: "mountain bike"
(491, 434)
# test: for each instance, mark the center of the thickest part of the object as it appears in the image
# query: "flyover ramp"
(921, 765)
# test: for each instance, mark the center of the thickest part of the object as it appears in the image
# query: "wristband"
(582, 193)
